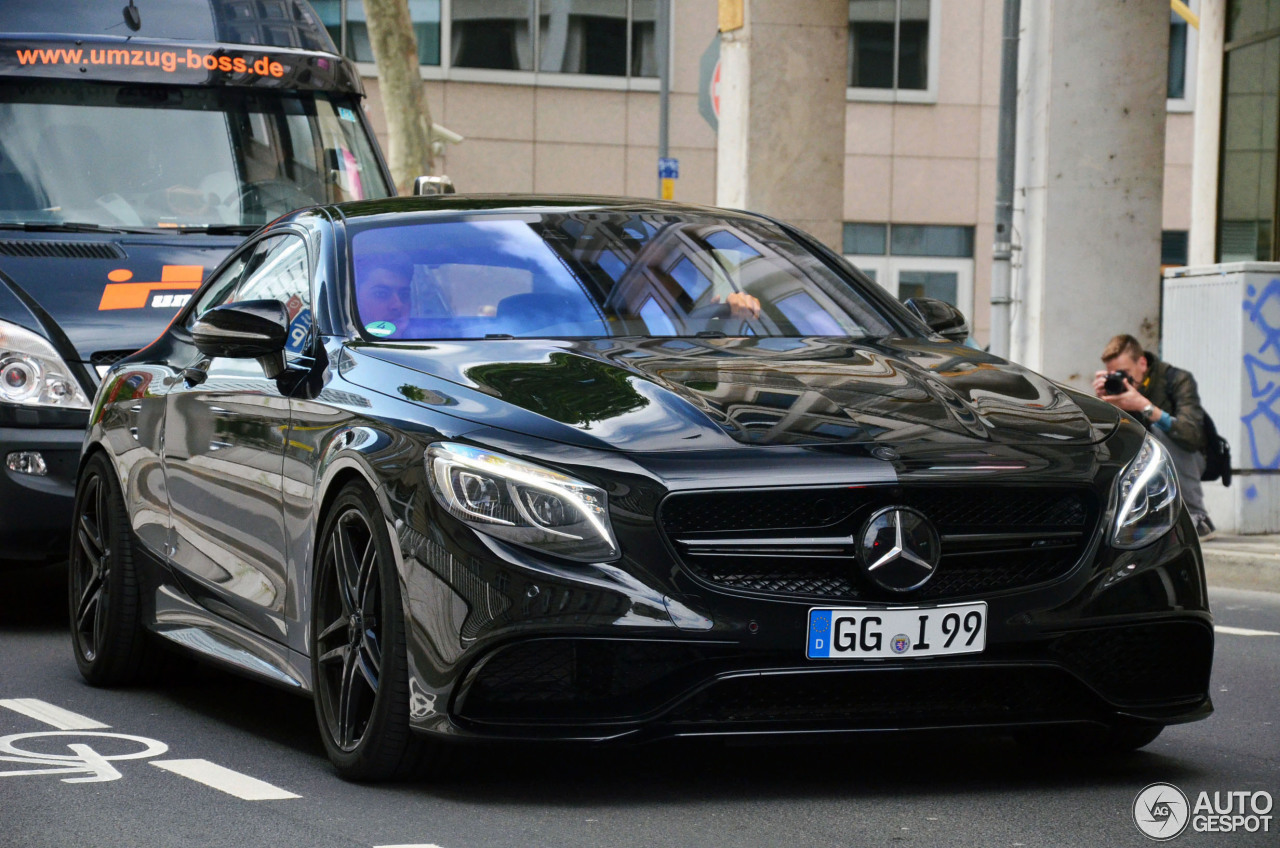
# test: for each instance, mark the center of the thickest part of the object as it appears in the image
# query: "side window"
(278, 270)
(220, 289)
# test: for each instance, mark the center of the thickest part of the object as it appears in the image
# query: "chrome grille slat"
(994, 539)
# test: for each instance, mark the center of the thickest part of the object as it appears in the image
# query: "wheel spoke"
(90, 537)
(371, 649)
(339, 624)
(368, 670)
(338, 654)
(347, 702)
(346, 567)
(88, 606)
(366, 590)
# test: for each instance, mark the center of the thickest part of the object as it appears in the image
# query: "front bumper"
(36, 512)
(536, 651)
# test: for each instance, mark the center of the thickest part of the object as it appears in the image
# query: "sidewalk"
(1243, 562)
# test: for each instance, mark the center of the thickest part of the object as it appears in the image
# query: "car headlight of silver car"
(33, 374)
(1147, 497)
(522, 503)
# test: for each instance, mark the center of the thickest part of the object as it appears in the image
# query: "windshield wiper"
(59, 227)
(216, 229)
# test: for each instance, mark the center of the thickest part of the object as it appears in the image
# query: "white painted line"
(413, 845)
(1243, 631)
(51, 715)
(225, 780)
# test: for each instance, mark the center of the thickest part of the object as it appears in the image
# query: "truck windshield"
(145, 156)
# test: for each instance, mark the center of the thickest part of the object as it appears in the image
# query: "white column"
(1202, 247)
(782, 104)
(1091, 124)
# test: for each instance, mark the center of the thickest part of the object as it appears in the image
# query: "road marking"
(225, 780)
(413, 845)
(51, 715)
(1242, 631)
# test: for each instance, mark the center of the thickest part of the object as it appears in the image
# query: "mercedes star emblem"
(899, 548)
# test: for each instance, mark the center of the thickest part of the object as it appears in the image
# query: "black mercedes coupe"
(575, 468)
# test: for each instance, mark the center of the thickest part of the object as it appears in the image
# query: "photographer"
(1164, 398)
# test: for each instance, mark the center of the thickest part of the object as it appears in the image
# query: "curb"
(1235, 563)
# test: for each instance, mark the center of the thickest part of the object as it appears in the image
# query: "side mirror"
(249, 329)
(941, 317)
(433, 185)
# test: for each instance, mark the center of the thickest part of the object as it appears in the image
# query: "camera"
(1117, 383)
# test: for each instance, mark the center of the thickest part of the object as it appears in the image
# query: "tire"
(358, 660)
(110, 642)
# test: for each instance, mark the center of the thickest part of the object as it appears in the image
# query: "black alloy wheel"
(358, 647)
(111, 645)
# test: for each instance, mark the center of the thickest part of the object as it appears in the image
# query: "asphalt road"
(253, 741)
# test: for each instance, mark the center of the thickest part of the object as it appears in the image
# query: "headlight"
(1147, 494)
(522, 503)
(32, 373)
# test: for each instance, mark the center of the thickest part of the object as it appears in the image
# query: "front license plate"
(842, 633)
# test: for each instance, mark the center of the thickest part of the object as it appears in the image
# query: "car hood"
(673, 394)
(100, 294)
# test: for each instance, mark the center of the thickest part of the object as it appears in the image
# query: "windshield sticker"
(120, 293)
(168, 61)
(381, 329)
(346, 114)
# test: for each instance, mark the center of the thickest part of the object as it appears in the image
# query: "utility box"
(1222, 323)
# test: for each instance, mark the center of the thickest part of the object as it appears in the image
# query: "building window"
(613, 38)
(425, 15)
(1247, 176)
(1173, 248)
(915, 260)
(1183, 41)
(889, 45)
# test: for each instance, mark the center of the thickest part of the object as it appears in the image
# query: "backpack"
(1217, 454)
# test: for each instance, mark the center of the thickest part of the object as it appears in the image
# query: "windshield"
(600, 273)
(145, 156)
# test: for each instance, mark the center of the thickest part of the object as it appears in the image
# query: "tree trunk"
(395, 49)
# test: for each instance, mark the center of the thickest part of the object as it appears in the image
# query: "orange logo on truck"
(122, 294)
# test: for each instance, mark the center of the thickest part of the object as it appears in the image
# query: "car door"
(225, 430)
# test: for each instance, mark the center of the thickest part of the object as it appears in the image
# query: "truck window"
(147, 156)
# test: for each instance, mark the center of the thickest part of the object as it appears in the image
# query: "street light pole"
(1006, 150)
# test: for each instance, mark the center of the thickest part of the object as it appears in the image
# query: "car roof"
(443, 205)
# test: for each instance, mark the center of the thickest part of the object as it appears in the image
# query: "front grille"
(107, 358)
(802, 542)
(32, 249)
(901, 698)
(1140, 664)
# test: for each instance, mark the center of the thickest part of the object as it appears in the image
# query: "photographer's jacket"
(1174, 391)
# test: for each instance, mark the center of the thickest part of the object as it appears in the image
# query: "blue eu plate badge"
(820, 633)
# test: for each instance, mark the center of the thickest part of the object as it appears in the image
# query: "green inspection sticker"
(381, 329)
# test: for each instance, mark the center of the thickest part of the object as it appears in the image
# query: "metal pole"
(664, 77)
(1006, 150)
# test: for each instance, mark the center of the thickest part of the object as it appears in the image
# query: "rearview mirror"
(254, 329)
(941, 317)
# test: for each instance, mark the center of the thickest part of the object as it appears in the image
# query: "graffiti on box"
(1262, 366)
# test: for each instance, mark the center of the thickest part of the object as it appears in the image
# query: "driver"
(384, 295)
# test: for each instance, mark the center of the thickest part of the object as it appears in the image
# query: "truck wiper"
(216, 229)
(59, 227)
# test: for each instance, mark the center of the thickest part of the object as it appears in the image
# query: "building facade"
(561, 96)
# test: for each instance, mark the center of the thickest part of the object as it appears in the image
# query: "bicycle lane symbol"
(84, 760)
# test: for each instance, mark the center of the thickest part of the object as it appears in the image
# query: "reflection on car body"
(586, 468)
